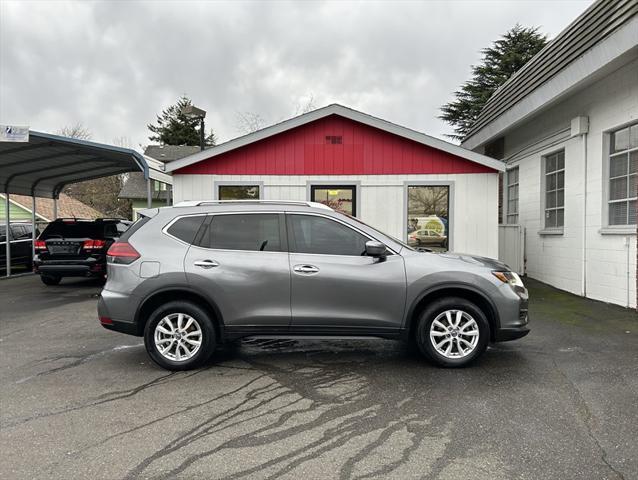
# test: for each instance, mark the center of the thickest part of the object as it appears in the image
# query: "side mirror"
(376, 249)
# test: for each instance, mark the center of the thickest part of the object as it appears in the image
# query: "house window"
(623, 158)
(512, 195)
(238, 192)
(342, 198)
(428, 216)
(555, 190)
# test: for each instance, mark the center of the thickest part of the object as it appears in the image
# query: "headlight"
(509, 277)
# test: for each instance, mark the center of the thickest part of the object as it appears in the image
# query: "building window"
(623, 158)
(555, 190)
(428, 216)
(342, 198)
(238, 192)
(512, 195)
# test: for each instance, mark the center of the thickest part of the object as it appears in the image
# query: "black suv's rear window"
(79, 229)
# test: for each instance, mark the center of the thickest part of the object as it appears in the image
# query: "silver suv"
(199, 274)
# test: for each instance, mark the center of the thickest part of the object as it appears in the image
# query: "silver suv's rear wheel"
(452, 332)
(179, 336)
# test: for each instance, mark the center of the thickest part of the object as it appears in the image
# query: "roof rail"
(82, 219)
(198, 203)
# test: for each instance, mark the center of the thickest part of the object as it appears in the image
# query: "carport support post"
(149, 200)
(32, 226)
(55, 208)
(7, 245)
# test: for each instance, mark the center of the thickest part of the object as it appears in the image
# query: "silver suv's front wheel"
(452, 332)
(179, 336)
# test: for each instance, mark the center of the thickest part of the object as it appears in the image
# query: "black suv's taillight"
(40, 246)
(122, 253)
(93, 245)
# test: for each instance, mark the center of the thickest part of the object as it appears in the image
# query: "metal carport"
(46, 163)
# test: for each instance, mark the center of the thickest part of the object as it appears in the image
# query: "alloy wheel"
(178, 337)
(454, 334)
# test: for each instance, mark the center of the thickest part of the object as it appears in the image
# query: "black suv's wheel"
(452, 332)
(179, 336)
(50, 279)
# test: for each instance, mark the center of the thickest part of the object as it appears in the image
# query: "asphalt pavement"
(78, 401)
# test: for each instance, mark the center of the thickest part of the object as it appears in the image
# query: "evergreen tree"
(500, 61)
(175, 128)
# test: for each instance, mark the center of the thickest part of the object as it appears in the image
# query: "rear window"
(95, 230)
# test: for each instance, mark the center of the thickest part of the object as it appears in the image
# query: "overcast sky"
(112, 66)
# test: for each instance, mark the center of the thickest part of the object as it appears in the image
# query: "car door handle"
(206, 263)
(305, 269)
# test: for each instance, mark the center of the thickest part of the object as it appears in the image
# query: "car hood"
(486, 262)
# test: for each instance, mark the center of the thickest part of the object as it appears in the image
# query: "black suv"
(20, 238)
(73, 247)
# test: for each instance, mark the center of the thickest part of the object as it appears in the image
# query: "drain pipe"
(584, 272)
(628, 246)
(580, 127)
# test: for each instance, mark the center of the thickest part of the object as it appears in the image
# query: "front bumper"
(514, 316)
(506, 334)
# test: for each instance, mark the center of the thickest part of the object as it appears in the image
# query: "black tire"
(438, 307)
(50, 279)
(207, 342)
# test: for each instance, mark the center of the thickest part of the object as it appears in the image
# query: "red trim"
(363, 150)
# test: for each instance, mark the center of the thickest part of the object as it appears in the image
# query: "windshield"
(400, 242)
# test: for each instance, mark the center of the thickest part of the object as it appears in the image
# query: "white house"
(566, 126)
(410, 185)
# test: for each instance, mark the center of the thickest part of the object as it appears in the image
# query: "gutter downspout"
(628, 245)
(584, 262)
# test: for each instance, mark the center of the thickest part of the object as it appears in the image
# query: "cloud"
(114, 65)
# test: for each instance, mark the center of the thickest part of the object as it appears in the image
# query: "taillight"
(122, 252)
(93, 244)
(40, 245)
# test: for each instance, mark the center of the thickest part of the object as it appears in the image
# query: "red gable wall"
(304, 151)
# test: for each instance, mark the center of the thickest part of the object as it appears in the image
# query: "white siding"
(610, 259)
(382, 201)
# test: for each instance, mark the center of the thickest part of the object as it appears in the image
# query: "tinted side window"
(320, 235)
(255, 232)
(17, 232)
(110, 230)
(186, 228)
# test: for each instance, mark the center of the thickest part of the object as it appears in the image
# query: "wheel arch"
(165, 295)
(466, 291)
